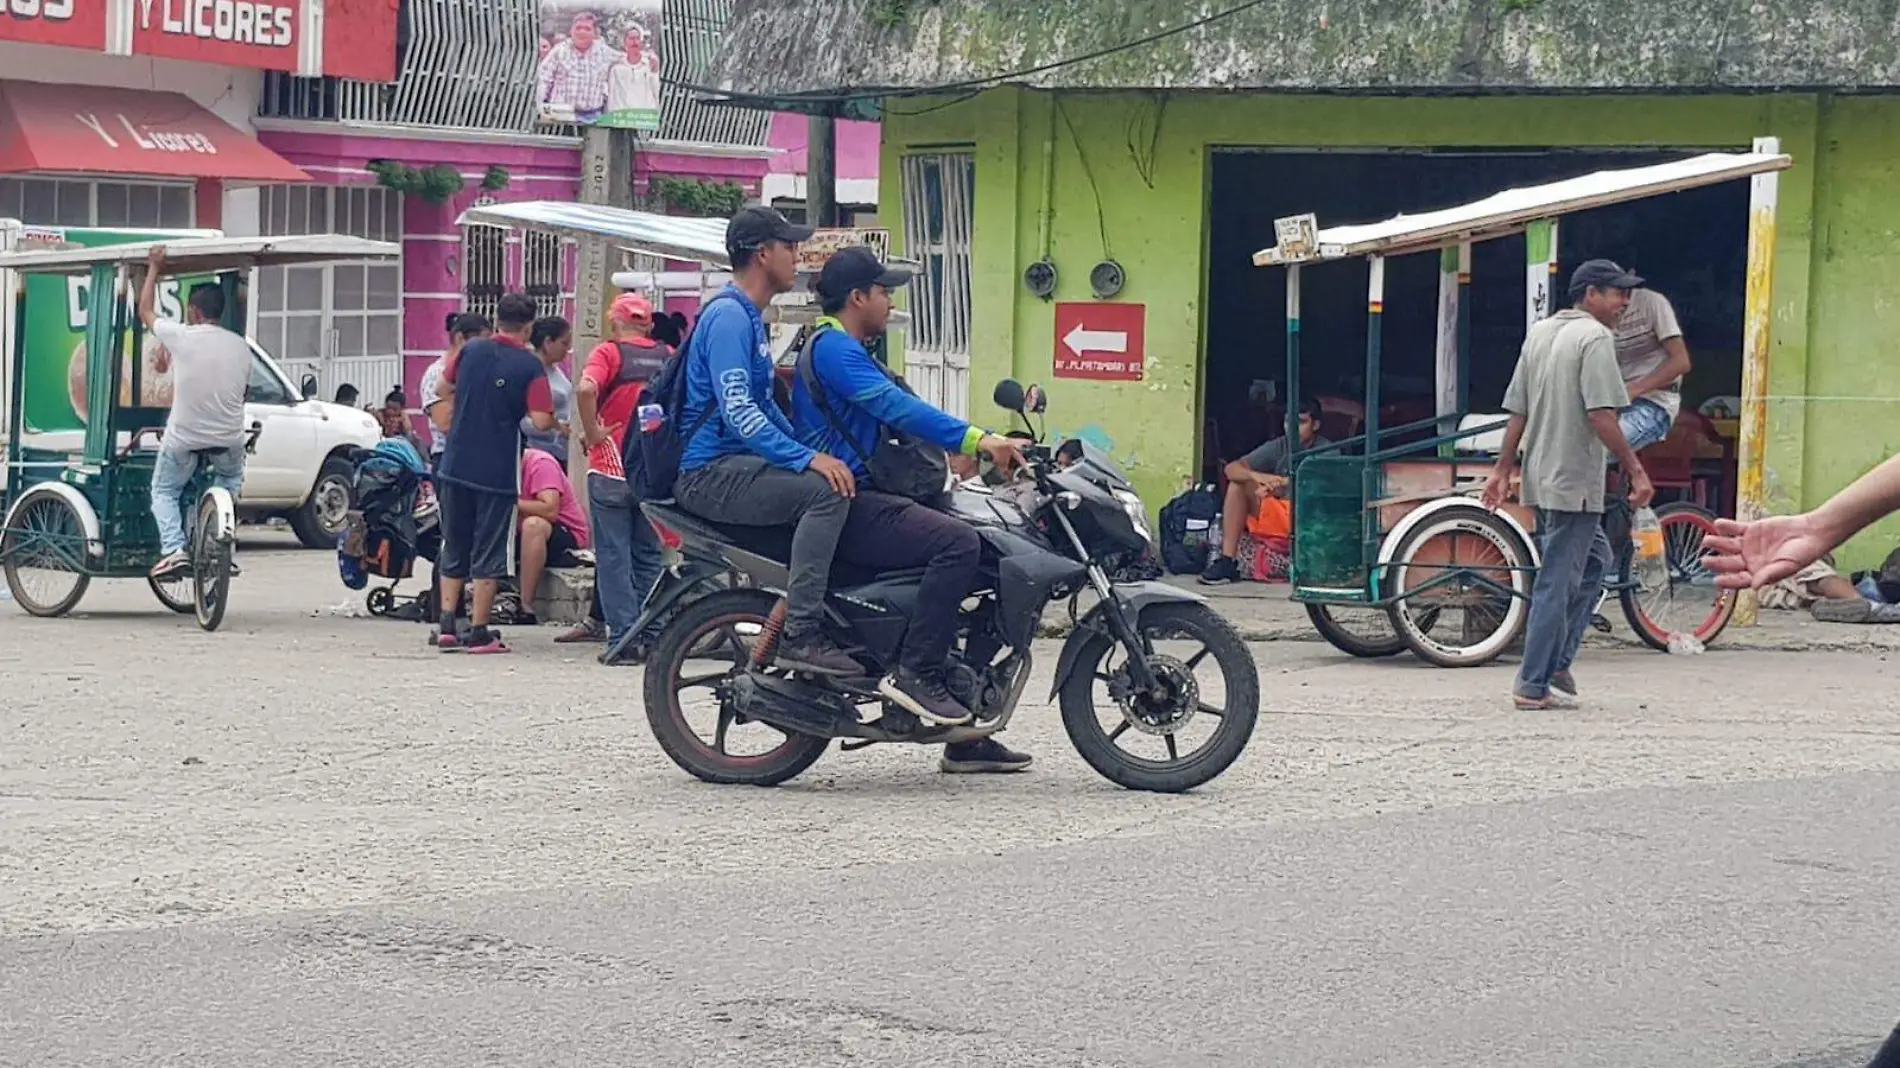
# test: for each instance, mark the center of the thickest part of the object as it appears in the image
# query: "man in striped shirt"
(626, 547)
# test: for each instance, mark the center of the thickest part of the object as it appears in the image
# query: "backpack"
(1188, 531)
(656, 467)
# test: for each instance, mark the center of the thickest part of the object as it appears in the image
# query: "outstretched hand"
(1762, 553)
(1006, 454)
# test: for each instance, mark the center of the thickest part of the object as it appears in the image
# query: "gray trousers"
(1569, 579)
(748, 490)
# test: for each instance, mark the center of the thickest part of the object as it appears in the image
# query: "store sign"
(825, 243)
(1101, 341)
(232, 33)
(70, 23)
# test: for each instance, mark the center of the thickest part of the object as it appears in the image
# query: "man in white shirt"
(211, 368)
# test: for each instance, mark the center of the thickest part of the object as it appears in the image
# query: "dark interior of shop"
(1690, 246)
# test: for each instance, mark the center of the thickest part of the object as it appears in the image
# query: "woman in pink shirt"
(552, 524)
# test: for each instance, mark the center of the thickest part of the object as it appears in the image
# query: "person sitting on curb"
(551, 526)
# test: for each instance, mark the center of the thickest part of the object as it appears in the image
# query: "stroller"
(389, 528)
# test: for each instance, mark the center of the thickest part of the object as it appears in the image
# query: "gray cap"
(1603, 274)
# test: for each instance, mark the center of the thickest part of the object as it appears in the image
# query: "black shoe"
(816, 654)
(985, 756)
(1220, 571)
(925, 696)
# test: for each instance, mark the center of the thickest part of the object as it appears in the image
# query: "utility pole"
(606, 179)
(821, 171)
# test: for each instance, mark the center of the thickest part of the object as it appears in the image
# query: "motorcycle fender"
(1134, 597)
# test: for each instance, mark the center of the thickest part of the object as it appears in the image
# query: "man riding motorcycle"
(745, 466)
(841, 400)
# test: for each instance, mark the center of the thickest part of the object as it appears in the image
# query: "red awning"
(90, 129)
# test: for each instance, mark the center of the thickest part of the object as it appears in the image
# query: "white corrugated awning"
(200, 255)
(671, 236)
(1511, 211)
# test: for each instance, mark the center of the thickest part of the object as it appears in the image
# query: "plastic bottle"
(1652, 569)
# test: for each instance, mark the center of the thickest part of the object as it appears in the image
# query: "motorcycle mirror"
(1035, 400)
(1008, 395)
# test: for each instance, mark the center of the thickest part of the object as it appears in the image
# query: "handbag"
(900, 464)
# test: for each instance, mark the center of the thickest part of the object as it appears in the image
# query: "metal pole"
(1371, 475)
(1447, 377)
(1757, 319)
(1292, 399)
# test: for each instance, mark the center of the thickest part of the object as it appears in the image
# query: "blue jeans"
(627, 556)
(1644, 423)
(1575, 556)
(172, 471)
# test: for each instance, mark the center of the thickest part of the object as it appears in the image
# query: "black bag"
(656, 453)
(1187, 530)
(900, 465)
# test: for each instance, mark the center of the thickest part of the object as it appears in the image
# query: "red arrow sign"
(1104, 342)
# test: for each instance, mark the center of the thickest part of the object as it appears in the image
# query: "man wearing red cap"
(626, 548)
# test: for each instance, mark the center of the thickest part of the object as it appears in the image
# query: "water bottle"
(651, 416)
(1652, 569)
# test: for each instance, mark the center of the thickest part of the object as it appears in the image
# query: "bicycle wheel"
(1689, 603)
(45, 554)
(211, 560)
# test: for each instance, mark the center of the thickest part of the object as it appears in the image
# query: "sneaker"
(486, 641)
(171, 564)
(1221, 570)
(816, 654)
(985, 756)
(592, 630)
(1564, 683)
(925, 696)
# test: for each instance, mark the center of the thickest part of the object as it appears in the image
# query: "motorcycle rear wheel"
(689, 632)
(1177, 774)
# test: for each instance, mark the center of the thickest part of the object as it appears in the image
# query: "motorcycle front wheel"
(1144, 742)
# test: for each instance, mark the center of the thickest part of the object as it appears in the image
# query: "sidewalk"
(1263, 613)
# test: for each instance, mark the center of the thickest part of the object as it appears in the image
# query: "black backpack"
(1188, 531)
(653, 456)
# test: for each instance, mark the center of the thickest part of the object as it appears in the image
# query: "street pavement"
(308, 840)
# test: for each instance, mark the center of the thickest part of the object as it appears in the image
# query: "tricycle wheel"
(211, 558)
(175, 592)
(1361, 632)
(1461, 583)
(1181, 637)
(45, 552)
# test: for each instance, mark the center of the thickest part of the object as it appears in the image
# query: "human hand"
(155, 258)
(1762, 553)
(1274, 485)
(598, 433)
(836, 472)
(1495, 488)
(1641, 490)
(1005, 453)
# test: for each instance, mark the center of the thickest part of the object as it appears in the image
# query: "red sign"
(100, 130)
(231, 33)
(71, 23)
(1105, 342)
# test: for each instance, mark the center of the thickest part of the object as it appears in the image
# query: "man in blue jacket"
(885, 532)
(743, 464)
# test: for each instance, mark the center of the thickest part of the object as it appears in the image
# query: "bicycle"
(1651, 612)
(210, 541)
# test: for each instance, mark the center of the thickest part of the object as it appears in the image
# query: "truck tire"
(317, 523)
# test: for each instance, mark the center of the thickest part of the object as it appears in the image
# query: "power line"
(988, 80)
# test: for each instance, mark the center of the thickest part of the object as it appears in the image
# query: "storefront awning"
(90, 129)
(671, 236)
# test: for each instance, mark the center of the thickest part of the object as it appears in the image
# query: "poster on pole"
(600, 63)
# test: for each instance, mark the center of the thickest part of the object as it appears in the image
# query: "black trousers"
(886, 533)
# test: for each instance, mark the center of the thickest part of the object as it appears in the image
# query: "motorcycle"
(1138, 646)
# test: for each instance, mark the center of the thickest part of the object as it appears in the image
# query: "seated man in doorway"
(1259, 492)
(551, 524)
(1653, 359)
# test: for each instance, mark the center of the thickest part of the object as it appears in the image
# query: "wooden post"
(1454, 274)
(606, 179)
(821, 171)
(1757, 319)
(1540, 263)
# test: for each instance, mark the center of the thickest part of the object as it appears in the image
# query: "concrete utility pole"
(821, 171)
(606, 179)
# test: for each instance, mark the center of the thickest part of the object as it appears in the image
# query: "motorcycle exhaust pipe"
(793, 707)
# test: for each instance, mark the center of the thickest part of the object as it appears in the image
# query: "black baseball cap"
(754, 228)
(854, 268)
(1603, 274)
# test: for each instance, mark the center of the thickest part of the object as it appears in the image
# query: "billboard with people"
(600, 63)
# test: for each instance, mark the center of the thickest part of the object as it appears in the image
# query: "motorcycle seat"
(773, 543)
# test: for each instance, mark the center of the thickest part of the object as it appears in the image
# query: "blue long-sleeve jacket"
(729, 368)
(861, 396)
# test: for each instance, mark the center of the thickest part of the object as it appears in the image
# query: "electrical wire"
(988, 81)
(1101, 214)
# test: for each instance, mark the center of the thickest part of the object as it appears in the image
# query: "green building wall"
(1834, 364)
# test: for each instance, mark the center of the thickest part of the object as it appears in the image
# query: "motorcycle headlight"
(1137, 514)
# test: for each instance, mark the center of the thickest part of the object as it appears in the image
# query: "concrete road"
(307, 840)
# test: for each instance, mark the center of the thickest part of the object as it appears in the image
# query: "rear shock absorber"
(766, 647)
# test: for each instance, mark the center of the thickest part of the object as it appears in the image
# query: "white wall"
(230, 93)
